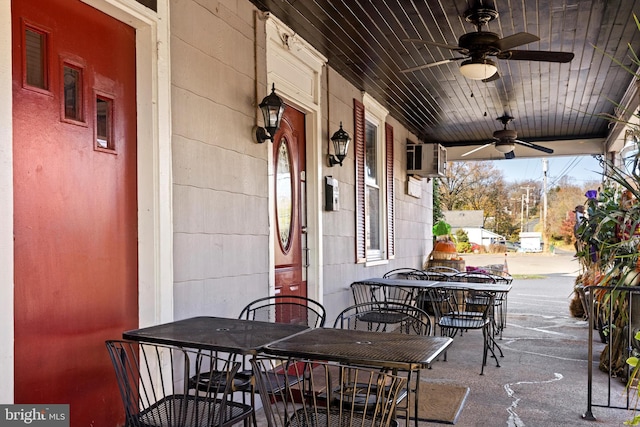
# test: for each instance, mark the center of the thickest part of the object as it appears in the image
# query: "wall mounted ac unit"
(426, 160)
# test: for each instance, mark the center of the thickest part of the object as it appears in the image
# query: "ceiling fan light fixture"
(478, 69)
(505, 147)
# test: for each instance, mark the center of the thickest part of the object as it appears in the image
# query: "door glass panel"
(35, 59)
(284, 195)
(104, 138)
(72, 93)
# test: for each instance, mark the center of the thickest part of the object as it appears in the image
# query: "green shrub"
(463, 247)
(462, 236)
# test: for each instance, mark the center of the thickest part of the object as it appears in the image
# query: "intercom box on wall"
(331, 194)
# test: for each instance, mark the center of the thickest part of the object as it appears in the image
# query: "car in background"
(509, 246)
(512, 246)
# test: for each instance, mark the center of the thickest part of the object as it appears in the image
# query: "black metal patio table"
(236, 336)
(424, 284)
(409, 353)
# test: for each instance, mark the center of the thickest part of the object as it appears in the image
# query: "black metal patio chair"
(279, 309)
(153, 380)
(329, 394)
(405, 319)
(469, 310)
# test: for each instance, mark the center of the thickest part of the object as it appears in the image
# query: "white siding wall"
(220, 186)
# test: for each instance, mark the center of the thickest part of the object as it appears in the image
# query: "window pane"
(373, 218)
(371, 152)
(35, 59)
(72, 93)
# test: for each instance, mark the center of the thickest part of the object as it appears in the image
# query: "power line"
(568, 168)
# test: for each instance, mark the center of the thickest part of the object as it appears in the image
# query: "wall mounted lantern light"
(272, 109)
(340, 141)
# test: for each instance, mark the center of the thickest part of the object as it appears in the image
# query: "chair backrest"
(328, 394)
(286, 309)
(399, 294)
(411, 319)
(435, 276)
(392, 294)
(463, 302)
(153, 380)
(404, 273)
(502, 279)
(365, 292)
(442, 269)
(435, 301)
(473, 277)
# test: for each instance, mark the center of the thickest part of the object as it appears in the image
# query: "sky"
(580, 169)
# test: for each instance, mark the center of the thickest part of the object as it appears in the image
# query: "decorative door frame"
(155, 238)
(296, 68)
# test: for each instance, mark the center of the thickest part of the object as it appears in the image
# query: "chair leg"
(488, 347)
(501, 318)
(495, 344)
(485, 349)
(254, 418)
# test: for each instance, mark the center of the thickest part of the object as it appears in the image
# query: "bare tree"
(477, 186)
(562, 200)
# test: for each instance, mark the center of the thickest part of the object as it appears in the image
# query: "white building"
(471, 221)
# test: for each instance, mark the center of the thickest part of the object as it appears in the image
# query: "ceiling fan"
(478, 45)
(505, 140)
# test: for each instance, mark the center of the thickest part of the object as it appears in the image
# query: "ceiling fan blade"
(476, 149)
(432, 64)
(436, 44)
(510, 155)
(534, 146)
(495, 76)
(536, 55)
(516, 40)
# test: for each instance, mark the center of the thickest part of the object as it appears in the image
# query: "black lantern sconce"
(272, 109)
(340, 140)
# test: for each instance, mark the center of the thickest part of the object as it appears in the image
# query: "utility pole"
(522, 214)
(515, 201)
(527, 200)
(544, 202)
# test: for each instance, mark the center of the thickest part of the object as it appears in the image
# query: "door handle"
(306, 257)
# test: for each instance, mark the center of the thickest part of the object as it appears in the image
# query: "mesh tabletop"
(422, 284)
(405, 283)
(385, 349)
(216, 333)
(480, 287)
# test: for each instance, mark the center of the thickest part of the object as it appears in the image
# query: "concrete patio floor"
(542, 380)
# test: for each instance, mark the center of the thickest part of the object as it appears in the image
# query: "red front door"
(290, 164)
(75, 225)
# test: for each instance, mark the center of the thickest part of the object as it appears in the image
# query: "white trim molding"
(296, 69)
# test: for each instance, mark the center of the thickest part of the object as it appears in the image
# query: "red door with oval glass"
(289, 169)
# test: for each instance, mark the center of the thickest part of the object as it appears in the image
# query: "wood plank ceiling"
(554, 105)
